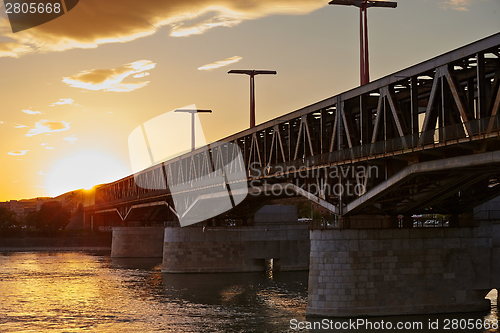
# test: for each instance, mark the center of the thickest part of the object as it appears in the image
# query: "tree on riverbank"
(8, 221)
(51, 216)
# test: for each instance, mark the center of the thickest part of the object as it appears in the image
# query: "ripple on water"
(74, 292)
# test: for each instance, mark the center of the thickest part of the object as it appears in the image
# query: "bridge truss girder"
(444, 108)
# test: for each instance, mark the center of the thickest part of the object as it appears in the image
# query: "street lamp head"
(251, 72)
(265, 72)
(240, 71)
(192, 110)
(368, 3)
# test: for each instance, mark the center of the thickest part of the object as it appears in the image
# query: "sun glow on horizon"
(84, 170)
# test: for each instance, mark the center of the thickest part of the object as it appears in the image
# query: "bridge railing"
(441, 135)
(397, 223)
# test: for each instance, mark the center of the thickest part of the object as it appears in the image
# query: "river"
(83, 292)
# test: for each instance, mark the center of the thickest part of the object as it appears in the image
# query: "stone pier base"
(372, 272)
(137, 242)
(236, 249)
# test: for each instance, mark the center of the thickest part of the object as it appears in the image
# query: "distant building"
(72, 200)
(23, 207)
(14, 206)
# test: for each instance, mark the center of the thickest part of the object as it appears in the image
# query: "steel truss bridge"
(424, 139)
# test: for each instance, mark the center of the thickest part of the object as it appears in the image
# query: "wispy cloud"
(48, 126)
(220, 63)
(205, 21)
(64, 101)
(111, 79)
(460, 5)
(141, 75)
(17, 152)
(28, 111)
(71, 139)
(96, 22)
(15, 125)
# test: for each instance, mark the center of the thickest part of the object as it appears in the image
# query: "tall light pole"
(192, 111)
(363, 6)
(252, 73)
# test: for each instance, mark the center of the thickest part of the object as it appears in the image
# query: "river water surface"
(78, 292)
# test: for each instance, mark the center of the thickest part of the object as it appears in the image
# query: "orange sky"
(73, 90)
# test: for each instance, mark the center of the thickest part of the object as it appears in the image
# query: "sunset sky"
(72, 90)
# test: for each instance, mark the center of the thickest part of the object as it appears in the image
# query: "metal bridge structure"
(425, 139)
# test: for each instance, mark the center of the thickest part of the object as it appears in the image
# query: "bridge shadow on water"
(219, 302)
(268, 302)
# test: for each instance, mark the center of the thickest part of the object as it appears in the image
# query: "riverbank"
(60, 241)
(97, 250)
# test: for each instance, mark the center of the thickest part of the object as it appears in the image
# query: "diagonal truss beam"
(423, 167)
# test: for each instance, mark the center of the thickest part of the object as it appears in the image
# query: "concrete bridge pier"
(376, 272)
(235, 249)
(275, 235)
(137, 242)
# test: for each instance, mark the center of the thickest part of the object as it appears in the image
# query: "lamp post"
(193, 111)
(252, 73)
(363, 6)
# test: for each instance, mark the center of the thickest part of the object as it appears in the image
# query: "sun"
(84, 169)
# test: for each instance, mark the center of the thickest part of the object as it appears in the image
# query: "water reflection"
(74, 292)
(70, 292)
(238, 301)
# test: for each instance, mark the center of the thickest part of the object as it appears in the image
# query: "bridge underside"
(447, 186)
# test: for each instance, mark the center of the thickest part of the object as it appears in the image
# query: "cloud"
(460, 5)
(49, 147)
(220, 63)
(48, 126)
(63, 101)
(141, 75)
(28, 111)
(15, 125)
(71, 139)
(96, 22)
(111, 79)
(204, 22)
(17, 152)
